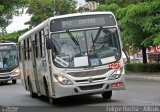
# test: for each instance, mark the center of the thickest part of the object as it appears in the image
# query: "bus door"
(22, 66)
(48, 57)
(33, 48)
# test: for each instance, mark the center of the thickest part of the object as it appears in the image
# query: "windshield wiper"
(97, 35)
(72, 37)
(74, 40)
(93, 43)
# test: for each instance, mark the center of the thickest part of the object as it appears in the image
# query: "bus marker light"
(118, 84)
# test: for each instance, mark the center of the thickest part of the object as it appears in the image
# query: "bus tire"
(51, 100)
(33, 95)
(107, 95)
(5, 82)
(14, 81)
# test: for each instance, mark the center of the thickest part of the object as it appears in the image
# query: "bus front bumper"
(9, 77)
(89, 88)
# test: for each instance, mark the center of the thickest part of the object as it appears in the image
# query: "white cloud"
(18, 22)
(80, 2)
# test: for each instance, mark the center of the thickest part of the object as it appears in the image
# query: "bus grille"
(88, 73)
(5, 77)
(86, 80)
(91, 87)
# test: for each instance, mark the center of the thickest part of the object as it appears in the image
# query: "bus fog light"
(63, 80)
(114, 76)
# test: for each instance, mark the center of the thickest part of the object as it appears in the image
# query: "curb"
(142, 78)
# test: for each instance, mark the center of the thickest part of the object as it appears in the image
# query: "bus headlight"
(117, 74)
(114, 76)
(63, 80)
(16, 72)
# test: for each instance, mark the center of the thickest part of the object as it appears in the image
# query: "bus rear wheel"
(107, 95)
(14, 81)
(33, 95)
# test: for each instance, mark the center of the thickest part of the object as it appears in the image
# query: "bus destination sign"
(7, 47)
(82, 22)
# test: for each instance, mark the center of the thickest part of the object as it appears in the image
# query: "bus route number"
(115, 65)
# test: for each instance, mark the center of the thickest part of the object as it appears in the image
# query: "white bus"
(73, 54)
(9, 65)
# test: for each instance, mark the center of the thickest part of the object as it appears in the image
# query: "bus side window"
(28, 48)
(19, 51)
(25, 52)
(36, 45)
(42, 44)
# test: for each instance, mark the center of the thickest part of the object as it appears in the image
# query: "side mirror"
(48, 43)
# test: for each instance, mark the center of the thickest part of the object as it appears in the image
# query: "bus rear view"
(8, 63)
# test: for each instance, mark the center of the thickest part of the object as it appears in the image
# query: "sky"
(18, 22)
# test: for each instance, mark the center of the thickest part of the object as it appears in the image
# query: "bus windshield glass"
(87, 48)
(8, 56)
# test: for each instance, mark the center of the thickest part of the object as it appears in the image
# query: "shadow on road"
(6, 84)
(80, 100)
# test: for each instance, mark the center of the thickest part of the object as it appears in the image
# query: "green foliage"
(40, 10)
(139, 21)
(100, 1)
(43, 9)
(13, 37)
(140, 67)
(7, 10)
(65, 6)
(104, 7)
(83, 9)
(157, 38)
(121, 3)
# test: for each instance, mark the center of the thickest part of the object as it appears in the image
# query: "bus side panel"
(21, 67)
(42, 72)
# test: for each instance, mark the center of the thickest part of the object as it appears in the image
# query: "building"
(153, 54)
(91, 5)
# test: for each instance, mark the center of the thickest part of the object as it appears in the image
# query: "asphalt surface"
(143, 76)
(137, 93)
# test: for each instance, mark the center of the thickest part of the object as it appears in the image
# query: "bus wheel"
(14, 81)
(107, 95)
(5, 82)
(51, 100)
(33, 95)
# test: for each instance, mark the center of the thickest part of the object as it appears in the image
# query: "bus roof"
(79, 14)
(8, 43)
(45, 23)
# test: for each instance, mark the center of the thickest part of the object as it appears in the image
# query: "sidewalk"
(143, 76)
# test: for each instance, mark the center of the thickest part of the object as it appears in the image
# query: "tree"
(7, 10)
(121, 3)
(112, 7)
(83, 9)
(100, 1)
(12, 37)
(139, 22)
(43, 9)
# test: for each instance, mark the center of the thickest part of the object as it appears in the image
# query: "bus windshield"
(87, 48)
(8, 56)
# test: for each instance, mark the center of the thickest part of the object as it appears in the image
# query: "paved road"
(138, 93)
